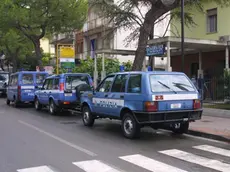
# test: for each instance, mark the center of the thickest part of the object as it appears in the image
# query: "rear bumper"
(67, 105)
(167, 117)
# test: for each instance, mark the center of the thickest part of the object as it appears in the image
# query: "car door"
(117, 94)
(43, 95)
(100, 98)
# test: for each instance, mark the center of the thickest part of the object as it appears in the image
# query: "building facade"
(213, 28)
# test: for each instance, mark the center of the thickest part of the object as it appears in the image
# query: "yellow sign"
(67, 52)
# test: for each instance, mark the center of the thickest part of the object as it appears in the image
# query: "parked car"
(166, 100)
(4, 81)
(62, 92)
(22, 86)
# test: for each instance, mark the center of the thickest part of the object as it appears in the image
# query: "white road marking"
(95, 166)
(36, 169)
(205, 162)
(150, 164)
(213, 149)
(59, 139)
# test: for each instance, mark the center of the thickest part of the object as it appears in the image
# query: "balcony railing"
(96, 23)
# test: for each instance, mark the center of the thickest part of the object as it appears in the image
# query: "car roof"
(149, 72)
(64, 74)
(30, 72)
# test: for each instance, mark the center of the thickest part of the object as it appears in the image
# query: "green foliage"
(15, 47)
(46, 58)
(127, 65)
(37, 18)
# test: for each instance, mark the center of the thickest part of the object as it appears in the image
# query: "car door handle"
(121, 96)
(45, 92)
(106, 95)
(50, 92)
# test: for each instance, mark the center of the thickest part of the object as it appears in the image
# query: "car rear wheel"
(130, 127)
(180, 128)
(7, 101)
(87, 117)
(53, 110)
(16, 103)
(37, 104)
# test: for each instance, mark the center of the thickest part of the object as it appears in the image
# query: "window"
(119, 83)
(40, 78)
(106, 84)
(56, 84)
(134, 85)
(48, 84)
(73, 81)
(13, 80)
(170, 83)
(27, 79)
(212, 20)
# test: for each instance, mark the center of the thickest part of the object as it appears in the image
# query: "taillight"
(196, 104)
(61, 87)
(19, 92)
(151, 106)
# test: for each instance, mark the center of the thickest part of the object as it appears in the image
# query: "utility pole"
(182, 34)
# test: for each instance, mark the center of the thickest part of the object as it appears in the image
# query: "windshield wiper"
(166, 86)
(176, 83)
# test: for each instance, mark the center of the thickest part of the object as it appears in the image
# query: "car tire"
(7, 101)
(183, 128)
(53, 110)
(37, 104)
(87, 117)
(16, 103)
(130, 127)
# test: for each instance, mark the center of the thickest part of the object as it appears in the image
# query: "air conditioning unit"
(224, 38)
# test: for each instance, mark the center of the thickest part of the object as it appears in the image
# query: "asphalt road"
(38, 142)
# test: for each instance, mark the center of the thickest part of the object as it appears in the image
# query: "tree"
(15, 47)
(36, 18)
(129, 14)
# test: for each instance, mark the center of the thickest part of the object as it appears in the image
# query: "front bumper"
(167, 116)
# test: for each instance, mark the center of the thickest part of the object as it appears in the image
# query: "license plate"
(175, 106)
(68, 94)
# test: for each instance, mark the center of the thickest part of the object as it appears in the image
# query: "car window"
(14, 80)
(119, 83)
(73, 81)
(56, 84)
(27, 79)
(2, 78)
(46, 84)
(169, 83)
(106, 84)
(134, 84)
(40, 78)
(50, 84)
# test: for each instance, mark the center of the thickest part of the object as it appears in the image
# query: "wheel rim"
(36, 104)
(51, 107)
(177, 125)
(128, 126)
(86, 116)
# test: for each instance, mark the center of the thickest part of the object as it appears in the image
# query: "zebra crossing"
(151, 164)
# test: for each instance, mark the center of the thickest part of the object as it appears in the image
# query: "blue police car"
(160, 99)
(62, 92)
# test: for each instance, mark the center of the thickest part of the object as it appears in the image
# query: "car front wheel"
(87, 117)
(130, 127)
(37, 104)
(53, 109)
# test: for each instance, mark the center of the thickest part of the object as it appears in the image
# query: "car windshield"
(4, 76)
(40, 78)
(170, 83)
(73, 81)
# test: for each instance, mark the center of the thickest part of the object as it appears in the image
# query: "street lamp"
(182, 34)
(167, 2)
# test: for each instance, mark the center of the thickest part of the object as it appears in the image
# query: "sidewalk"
(216, 112)
(212, 127)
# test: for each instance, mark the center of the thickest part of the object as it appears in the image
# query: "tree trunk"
(38, 52)
(142, 42)
(15, 66)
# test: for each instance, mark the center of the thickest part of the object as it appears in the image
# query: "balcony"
(96, 26)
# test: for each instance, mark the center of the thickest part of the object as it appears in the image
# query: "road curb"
(209, 136)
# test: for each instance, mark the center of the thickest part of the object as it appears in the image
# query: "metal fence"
(215, 90)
